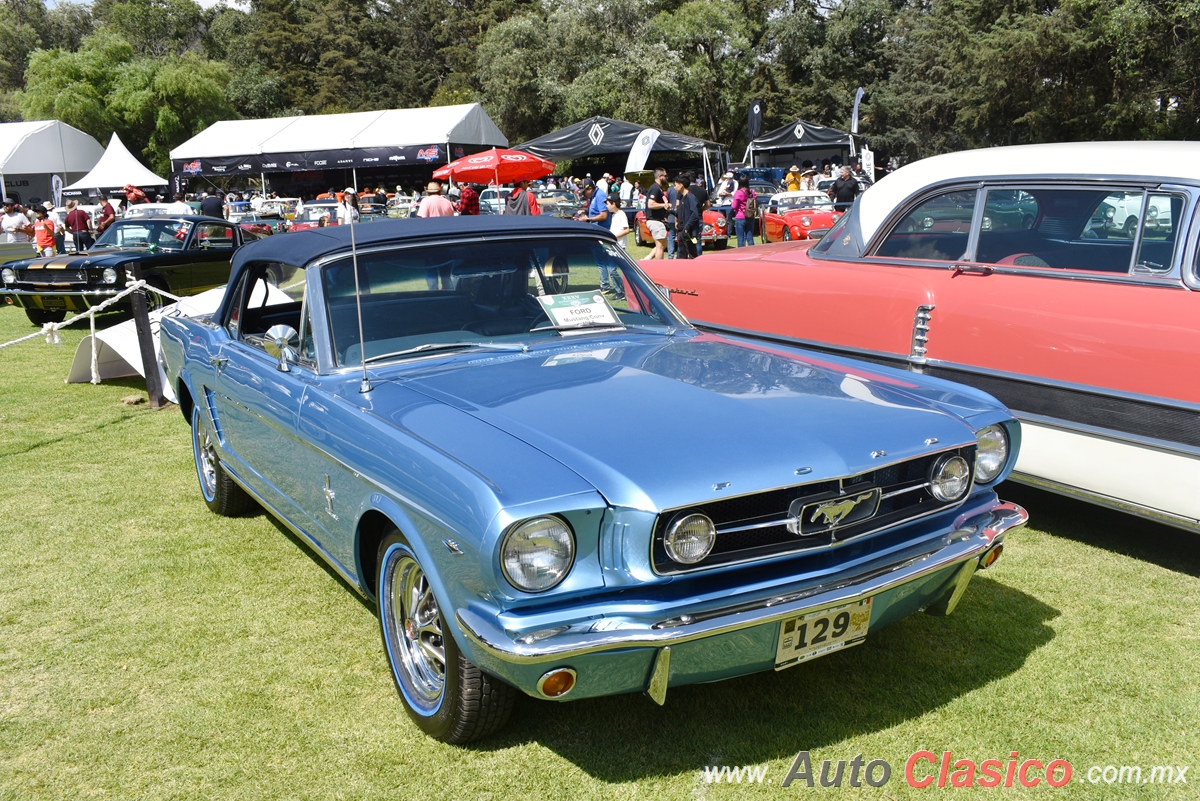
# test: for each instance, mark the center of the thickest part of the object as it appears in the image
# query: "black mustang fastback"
(183, 255)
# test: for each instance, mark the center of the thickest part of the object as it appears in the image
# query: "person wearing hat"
(808, 179)
(79, 223)
(43, 232)
(433, 204)
(14, 223)
(726, 188)
(792, 179)
(347, 210)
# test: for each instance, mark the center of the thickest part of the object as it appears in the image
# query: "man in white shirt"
(179, 206)
(14, 224)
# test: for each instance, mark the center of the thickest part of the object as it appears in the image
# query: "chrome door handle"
(218, 362)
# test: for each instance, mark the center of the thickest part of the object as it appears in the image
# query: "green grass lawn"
(151, 650)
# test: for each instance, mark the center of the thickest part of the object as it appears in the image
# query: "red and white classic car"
(806, 214)
(1029, 272)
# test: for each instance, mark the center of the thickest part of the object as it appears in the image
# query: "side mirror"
(281, 342)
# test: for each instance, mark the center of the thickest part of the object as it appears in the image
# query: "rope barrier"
(50, 330)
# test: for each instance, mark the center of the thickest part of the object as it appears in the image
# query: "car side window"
(1079, 228)
(274, 295)
(935, 230)
(214, 236)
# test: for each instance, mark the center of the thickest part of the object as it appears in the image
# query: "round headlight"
(992, 453)
(806, 221)
(537, 554)
(8, 275)
(110, 275)
(690, 538)
(950, 478)
(721, 220)
(1153, 212)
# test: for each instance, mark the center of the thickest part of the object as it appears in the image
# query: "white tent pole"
(262, 176)
(3, 189)
(354, 174)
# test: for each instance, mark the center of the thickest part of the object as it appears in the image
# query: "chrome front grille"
(781, 521)
(43, 277)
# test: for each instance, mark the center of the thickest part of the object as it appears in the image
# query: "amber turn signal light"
(556, 683)
(990, 557)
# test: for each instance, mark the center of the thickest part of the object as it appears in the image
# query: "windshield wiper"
(433, 346)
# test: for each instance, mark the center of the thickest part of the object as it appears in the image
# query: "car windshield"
(814, 202)
(151, 234)
(422, 301)
(315, 213)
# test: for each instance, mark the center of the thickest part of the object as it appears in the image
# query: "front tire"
(220, 493)
(445, 695)
(40, 317)
(787, 235)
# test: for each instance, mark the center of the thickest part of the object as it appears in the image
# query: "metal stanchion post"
(141, 318)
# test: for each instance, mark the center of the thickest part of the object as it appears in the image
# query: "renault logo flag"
(640, 151)
(754, 119)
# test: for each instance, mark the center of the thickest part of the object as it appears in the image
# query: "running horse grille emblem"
(823, 516)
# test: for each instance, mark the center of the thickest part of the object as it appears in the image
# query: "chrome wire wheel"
(413, 631)
(206, 459)
(205, 462)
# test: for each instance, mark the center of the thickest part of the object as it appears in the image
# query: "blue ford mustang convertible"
(502, 432)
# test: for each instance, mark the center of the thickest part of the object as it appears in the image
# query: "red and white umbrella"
(495, 166)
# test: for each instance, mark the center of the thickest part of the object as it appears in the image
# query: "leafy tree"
(22, 23)
(153, 104)
(156, 28)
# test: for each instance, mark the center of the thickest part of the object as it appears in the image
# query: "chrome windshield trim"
(969, 541)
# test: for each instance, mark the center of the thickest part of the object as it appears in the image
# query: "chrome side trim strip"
(970, 541)
(1177, 448)
(1157, 515)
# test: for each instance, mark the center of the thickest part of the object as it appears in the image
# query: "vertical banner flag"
(641, 150)
(858, 96)
(868, 163)
(754, 119)
(56, 187)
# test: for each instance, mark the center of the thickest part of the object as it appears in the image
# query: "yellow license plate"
(818, 633)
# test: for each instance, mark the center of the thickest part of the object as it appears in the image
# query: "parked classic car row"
(1029, 272)
(184, 255)
(432, 412)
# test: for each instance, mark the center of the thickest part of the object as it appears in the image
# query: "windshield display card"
(579, 310)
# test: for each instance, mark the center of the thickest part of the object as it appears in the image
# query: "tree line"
(939, 75)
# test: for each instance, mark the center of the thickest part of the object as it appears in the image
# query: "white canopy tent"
(37, 151)
(348, 141)
(117, 167)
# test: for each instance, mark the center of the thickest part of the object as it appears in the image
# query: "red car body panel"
(1092, 333)
(715, 230)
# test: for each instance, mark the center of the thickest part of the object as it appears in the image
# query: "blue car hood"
(656, 422)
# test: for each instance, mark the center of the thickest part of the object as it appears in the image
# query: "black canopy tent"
(609, 141)
(798, 141)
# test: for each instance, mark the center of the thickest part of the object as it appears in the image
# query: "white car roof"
(1120, 160)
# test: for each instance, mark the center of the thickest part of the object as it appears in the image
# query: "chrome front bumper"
(963, 547)
(74, 299)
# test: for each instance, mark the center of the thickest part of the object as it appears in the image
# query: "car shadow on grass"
(1145, 540)
(902, 672)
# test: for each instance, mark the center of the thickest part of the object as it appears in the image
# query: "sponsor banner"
(359, 158)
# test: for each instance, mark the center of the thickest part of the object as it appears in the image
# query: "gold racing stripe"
(55, 264)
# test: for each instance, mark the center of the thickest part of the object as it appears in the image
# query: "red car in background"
(316, 214)
(807, 214)
(714, 233)
(1007, 269)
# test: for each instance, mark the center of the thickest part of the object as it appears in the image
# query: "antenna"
(365, 385)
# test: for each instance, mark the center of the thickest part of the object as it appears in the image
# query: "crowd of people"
(673, 206)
